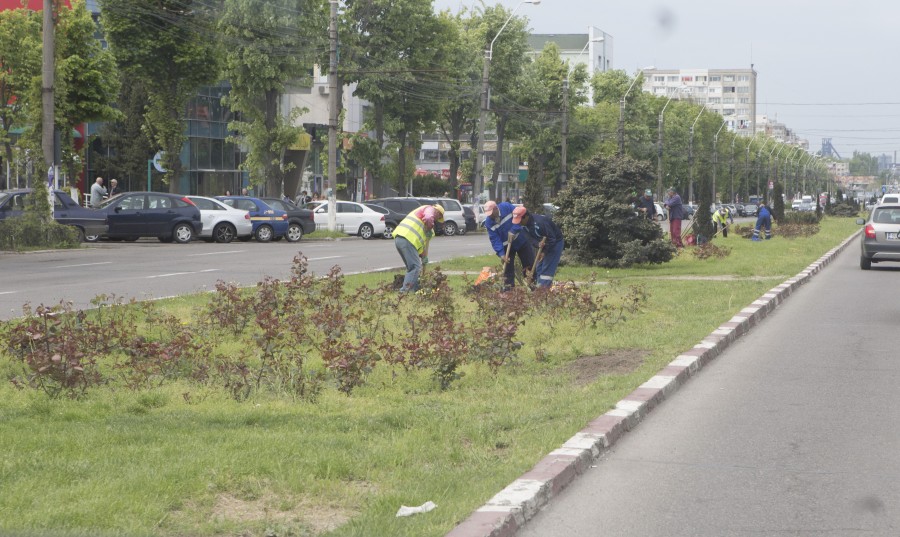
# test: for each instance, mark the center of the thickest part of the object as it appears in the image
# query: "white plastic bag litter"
(407, 511)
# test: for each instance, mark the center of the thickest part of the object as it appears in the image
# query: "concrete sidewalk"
(505, 513)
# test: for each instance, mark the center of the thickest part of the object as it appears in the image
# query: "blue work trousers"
(413, 264)
(547, 266)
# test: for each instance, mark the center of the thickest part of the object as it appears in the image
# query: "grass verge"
(178, 460)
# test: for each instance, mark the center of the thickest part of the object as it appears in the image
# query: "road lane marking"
(324, 258)
(181, 273)
(219, 253)
(85, 265)
(8, 292)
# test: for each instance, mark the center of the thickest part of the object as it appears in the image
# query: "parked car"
(89, 223)
(739, 209)
(454, 216)
(169, 217)
(391, 218)
(750, 209)
(661, 213)
(222, 223)
(478, 210)
(889, 199)
(268, 222)
(881, 238)
(353, 218)
(688, 211)
(300, 221)
(471, 219)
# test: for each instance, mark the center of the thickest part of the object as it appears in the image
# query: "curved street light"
(659, 143)
(622, 108)
(485, 104)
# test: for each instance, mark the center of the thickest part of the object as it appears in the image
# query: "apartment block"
(729, 92)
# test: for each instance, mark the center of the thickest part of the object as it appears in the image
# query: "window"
(744, 78)
(160, 202)
(743, 89)
(728, 78)
(728, 111)
(672, 78)
(715, 100)
(728, 100)
(728, 89)
(701, 79)
(744, 100)
(206, 205)
(687, 79)
(658, 78)
(715, 78)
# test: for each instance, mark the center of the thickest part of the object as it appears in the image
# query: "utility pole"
(563, 165)
(332, 118)
(731, 169)
(48, 84)
(659, 156)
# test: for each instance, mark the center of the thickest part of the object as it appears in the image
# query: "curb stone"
(520, 501)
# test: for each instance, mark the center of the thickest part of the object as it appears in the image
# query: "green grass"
(162, 463)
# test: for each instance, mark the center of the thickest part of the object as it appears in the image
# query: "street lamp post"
(622, 110)
(659, 145)
(731, 169)
(759, 165)
(691, 155)
(716, 159)
(332, 118)
(485, 104)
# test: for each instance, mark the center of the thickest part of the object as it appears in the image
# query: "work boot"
(756, 239)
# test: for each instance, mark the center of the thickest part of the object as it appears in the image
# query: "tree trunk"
(274, 175)
(502, 119)
(401, 164)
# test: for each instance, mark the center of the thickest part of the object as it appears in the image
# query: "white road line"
(324, 258)
(85, 265)
(219, 253)
(8, 292)
(181, 273)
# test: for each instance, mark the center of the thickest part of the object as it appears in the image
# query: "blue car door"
(126, 216)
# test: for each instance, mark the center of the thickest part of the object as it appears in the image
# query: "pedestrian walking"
(763, 220)
(720, 219)
(411, 238)
(676, 213)
(547, 237)
(507, 240)
(646, 205)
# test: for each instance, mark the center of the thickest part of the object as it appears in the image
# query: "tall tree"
(538, 128)
(391, 48)
(459, 108)
(508, 60)
(171, 48)
(269, 44)
(20, 66)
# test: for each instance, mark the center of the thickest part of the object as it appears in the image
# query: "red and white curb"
(509, 509)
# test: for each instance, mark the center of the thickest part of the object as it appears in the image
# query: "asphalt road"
(793, 431)
(150, 269)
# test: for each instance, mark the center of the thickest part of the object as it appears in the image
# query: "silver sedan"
(222, 223)
(880, 240)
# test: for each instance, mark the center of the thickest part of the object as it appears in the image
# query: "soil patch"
(316, 518)
(619, 362)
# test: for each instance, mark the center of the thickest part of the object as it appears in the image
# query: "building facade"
(594, 50)
(730, 93)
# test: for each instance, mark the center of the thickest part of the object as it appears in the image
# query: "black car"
(89, 223)
(471, 222)
(169, 217)
(301, 220)
(406, 206)
(391, 218)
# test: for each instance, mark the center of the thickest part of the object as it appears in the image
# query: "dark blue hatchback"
(268, 222)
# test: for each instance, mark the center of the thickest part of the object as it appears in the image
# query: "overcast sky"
(826, 68)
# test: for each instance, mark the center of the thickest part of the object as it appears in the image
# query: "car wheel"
(660, 217)
(366, 231)
(91, 238)
(865, 263)
(388, 231)
(462, 230)
(264, 233)
(294, 233)
(450, 228)
(224, 233)
(183, 233)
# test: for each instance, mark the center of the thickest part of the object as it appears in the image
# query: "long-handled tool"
(537, 259)
(509, 240)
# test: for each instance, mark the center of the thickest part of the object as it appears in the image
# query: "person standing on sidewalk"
(98, 192)
(507, 237)
(411, 237)
(763, 220)
(541, 229)
(676, 213)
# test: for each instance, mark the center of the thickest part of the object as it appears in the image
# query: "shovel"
(537, 259)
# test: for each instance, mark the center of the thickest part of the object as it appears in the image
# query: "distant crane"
(829, 150)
